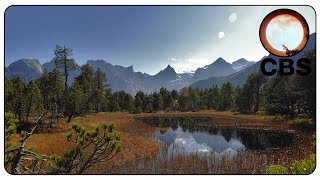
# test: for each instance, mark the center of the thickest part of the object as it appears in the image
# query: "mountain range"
(124, 78)
(240, 77)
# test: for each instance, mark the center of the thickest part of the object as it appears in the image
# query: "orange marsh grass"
(140, 149)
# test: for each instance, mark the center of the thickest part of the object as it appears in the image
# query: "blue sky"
(147, 37)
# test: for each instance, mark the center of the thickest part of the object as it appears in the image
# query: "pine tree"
(115, 106)
(194, 96)
(63, 62)
(86, 78)
(166, 97)
(157, 102)
(250, 95)
(18, 97)
(129, 104)
(147, 104)
(302, 90)
(213, 97)
(245, 100)
(33, 99)
(174, 94)
(276, 96)
(121, 100)
(86, 81)
(255, 81)
(237, 95)
(8, 94)
(106, 105)
(51, 88)
(227, 96)
(76, 101)
(309, 83)
(138, 100)
(100, 85)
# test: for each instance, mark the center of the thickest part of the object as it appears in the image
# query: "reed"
(142, 154)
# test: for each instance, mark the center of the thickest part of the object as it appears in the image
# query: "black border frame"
(243, 5)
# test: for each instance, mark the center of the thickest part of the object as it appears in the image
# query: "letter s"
(304, 67)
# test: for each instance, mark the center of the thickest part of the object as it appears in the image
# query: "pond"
(195, 144)
(190, 135)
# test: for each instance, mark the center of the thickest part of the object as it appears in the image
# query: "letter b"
(284, 67)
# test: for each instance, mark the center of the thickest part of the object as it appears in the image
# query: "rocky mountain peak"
(27, 69)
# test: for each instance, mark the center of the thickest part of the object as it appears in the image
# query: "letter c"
(263, 67)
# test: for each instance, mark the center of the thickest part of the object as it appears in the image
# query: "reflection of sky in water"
(199, 142)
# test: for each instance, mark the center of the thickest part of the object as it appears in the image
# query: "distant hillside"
(242, 63)
(220, 67)
(121, 78)
(124, 78)
(27, 69)
(240, 77)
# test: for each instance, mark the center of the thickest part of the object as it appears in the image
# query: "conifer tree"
(63, 62)
(33, 99)
(8, 94)
(18, 97)
(100, 85)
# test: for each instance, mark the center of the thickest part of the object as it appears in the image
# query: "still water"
(199, 142)
(191, 135)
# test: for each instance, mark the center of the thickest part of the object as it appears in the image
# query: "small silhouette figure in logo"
(290, 52)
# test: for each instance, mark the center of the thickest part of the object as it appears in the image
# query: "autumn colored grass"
(141, 152)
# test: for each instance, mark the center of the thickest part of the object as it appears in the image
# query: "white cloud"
(189, 64)
(173, 59)
(233, 17)
(197, 61)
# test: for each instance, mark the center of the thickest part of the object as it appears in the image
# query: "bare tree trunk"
(65, 75)
(65, 82)
(29, 109)
(258, 96)
(17, 160)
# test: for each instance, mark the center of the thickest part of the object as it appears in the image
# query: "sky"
(147, 37)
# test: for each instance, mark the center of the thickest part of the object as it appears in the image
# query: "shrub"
(306, 166)
(277, 169)
(168, 109)
(137, 110)
(103, 142)
(10, 126)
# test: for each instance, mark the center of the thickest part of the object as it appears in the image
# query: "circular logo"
(284, 32)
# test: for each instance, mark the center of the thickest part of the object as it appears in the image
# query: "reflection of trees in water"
(175, 126)
(261, 140)
(252, 139)
(227, 133)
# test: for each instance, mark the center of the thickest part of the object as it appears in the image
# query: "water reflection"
(191, 135)
(202, 143)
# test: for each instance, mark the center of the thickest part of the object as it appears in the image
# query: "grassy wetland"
(215, 142)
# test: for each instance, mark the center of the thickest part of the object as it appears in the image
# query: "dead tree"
(20, 153)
